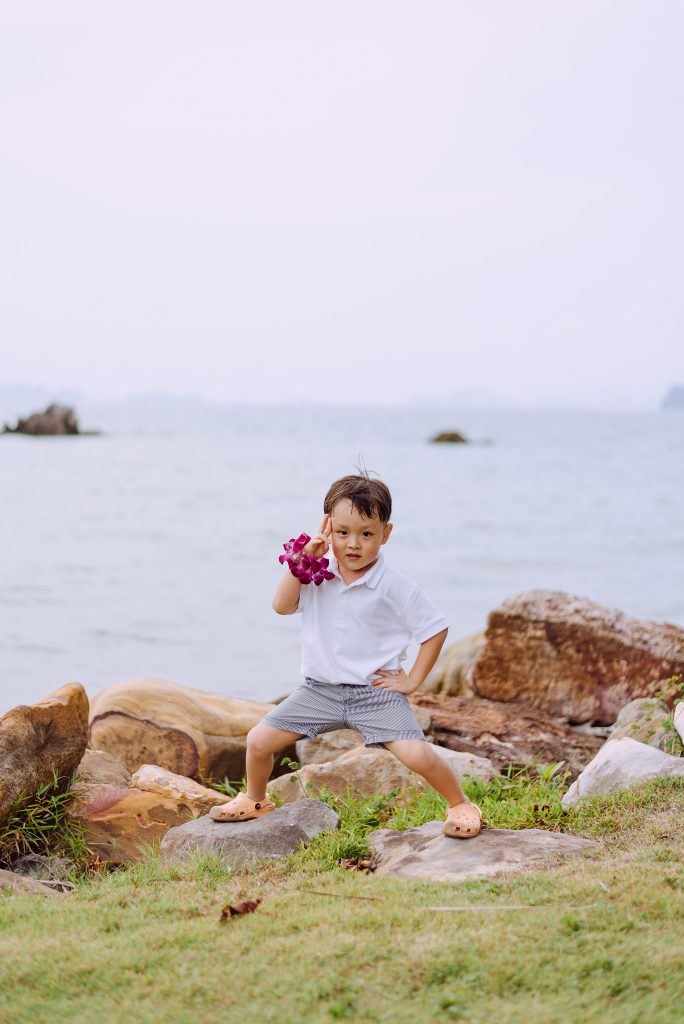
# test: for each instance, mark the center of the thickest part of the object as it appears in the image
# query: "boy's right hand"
(320, 542)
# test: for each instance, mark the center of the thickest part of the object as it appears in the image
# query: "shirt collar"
(370, 578)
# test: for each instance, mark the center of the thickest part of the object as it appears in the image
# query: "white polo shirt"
(349, 631)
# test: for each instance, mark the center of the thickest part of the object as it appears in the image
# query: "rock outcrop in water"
(449, 437)
(674, 399)
(55, 421)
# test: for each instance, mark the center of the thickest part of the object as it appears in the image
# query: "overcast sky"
(363, 201)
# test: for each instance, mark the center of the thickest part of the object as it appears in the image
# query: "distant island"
(674, 399)
(56, 420)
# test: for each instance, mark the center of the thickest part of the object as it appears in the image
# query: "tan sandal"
(463, 821)
(242, 808)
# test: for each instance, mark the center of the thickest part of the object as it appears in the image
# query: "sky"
(377, 202)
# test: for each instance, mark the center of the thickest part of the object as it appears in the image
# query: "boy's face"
(356, 540)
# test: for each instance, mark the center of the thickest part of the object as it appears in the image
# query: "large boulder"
(620, 764)
(509, 732)
(451, 675)
(244, 842)
(425, 853)
(367, 771)
(573, 658)
(39, 741)
(190, 732)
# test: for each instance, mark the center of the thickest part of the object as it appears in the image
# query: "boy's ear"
(386, 533)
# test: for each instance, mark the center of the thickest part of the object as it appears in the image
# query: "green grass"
(600, 939)
(41, 825)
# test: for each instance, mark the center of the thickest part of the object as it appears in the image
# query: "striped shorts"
(381, 715)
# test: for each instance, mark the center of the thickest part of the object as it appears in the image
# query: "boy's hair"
(368, 497)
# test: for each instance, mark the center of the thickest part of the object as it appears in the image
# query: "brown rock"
(188, 731)
(98, 768)
(509, 733)
(573, 658)
(120, 821)
(364, 770)
(330, 745)
(153, 779)
(39, 740)
(451, 675)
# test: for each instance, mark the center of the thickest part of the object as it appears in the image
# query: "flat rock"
(507, 731)
(573, 658)
(424, 853)
(22, 886)
(40, 740)
(619, 764)
(236, 843)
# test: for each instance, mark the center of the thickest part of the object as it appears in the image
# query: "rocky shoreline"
(552, 679)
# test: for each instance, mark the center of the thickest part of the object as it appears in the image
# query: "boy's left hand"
(394, 679)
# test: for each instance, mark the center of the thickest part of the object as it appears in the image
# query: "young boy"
(356, 627)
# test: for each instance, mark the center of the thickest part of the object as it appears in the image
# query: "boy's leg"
(419, 757)
(263, 741)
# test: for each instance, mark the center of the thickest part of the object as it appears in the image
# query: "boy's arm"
(286, 597)
(427, 656)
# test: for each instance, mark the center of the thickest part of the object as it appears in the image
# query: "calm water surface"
(152, 550)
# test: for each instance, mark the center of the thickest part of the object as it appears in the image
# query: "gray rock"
(619, 764)
(274, 835)
(644, 720)
(678, 719)
(52, 869)
(22, 886)
(426, 853)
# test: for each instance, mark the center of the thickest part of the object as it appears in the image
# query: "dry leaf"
(235, 909)
(366, 864)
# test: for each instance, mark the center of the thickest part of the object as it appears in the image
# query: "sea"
(152, 549)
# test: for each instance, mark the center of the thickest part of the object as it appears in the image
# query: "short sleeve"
(421, 617)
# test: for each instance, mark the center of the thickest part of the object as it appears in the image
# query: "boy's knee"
(415, 754)
(256, 742)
